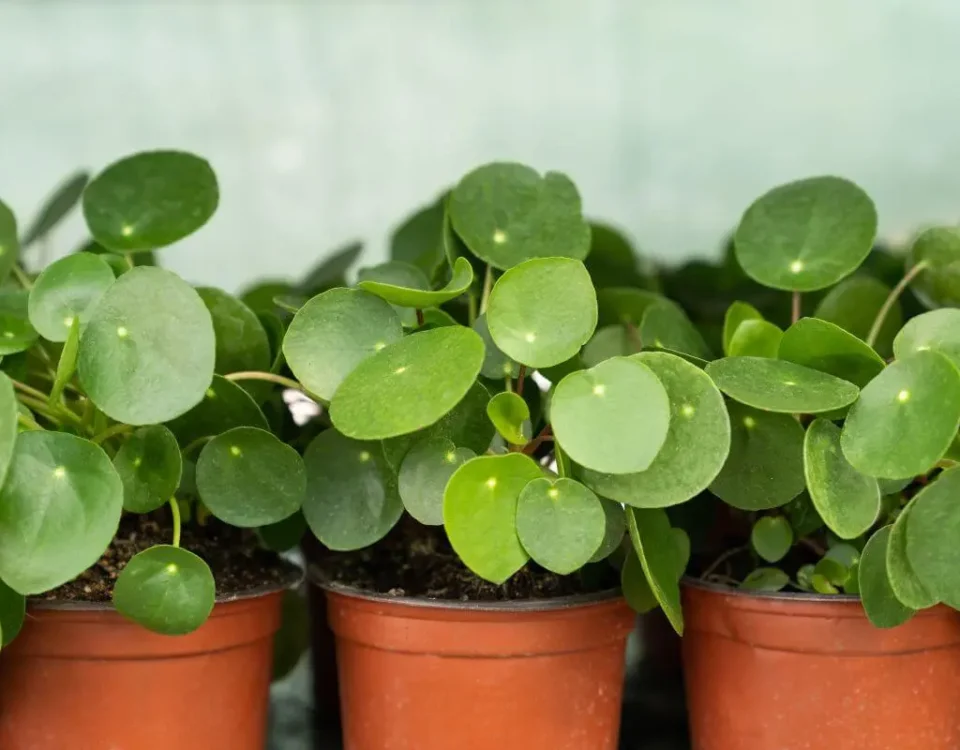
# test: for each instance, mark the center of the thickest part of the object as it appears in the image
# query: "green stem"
(29, 390)
(419, 317)
(270, 377)
(198, 443)
(54, 414)
(21, 277)
(558, 454)
(891, 298)
(487, 287)
(175, 512)
(129, 258)
(117, 429)
(471, 307)
(30, 424)
(722, 559)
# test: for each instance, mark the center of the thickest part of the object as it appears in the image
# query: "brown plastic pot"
(81, 677)
(427, 675)
(803, 672)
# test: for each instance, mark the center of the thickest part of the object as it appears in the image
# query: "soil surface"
(418, 561)
(238, 563)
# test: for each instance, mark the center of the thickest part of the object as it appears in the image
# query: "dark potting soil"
(418, 561)
(239, 565)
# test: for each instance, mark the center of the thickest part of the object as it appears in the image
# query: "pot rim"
(784, 596)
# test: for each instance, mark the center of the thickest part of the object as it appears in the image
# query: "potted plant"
(829, 619)
(135, 465)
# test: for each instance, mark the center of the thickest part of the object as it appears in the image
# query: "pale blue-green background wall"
(328, 120)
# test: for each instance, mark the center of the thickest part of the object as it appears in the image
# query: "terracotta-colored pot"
(84, 678)
(802, 672)
(427, 675)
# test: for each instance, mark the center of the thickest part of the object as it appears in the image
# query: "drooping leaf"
(906, 584)
(496, 364)
(225, 405)
(68, 288)
(827, 347)
(615, 526)
(931, 537)
(772, 537)
(9, 244)
(883, 608)
(937, 330)
(666, 326)
(655, 544)
(401, 276)
(404, 296)
(150, 465)
(150, 200)
(939, 284)
(13, 610)
(756, 338)
(424, 474)
(737, 313)
(509, 412)
(854, 304)
(480, 513)
(60, 203)
(765, 579)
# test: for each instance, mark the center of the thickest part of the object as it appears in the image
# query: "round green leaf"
(806, 235)
(765, 466)
(509, 412)
(9, 410)
(403, 276)
(13, 611)
(613, 417)
(854, 304)
(615, 526)
(824, 346)
(166, 589)
(408, 385)
(931, 537)
(405, 296)
(480, 513)
(542, 311)
(607, 342)
(668, 327)
(772, 537)
(907, 585)
(16, 332)
(506, 213)
(906, 418)
(242, 342)
(655, 544)
(634, 585)
(59, 510)
(333, 333)
(780, 386)
(939, 284)
(352, 499)
(938, 330)
(737, 313)
(9, 244)
(765, 579)
(150, 200)
(225, 405)
(880, 603)
(247, 477)
(283, 535)
(147, 354)
(496, 364)
(755, 338)
(848, 501)
(68, 288)
(424, 474)
(560, 523)
(696, 446)
(149, 464)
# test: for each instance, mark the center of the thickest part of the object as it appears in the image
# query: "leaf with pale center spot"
(509, 414)
(907, 585)
(68, 289)
(656, 545)
(824, 346)
(496, 364)
(424, 474)
(880, 603)
(780, 386)
(16, 332)
(906, 418)
(666, 326)
(542, 311)
(615, 526)
(408, 385)
(352, 499)
(848, 501)
(225, 405)
(937, 330)
(507, 213)
(853, 305)
(696, 446)
(333, 333)
(931, 537)
(480, 513)
(765, 579)
(149, 464)
(561, 524)
(404, 296)
(166, 589)
(755, 338)
(939, 284)
(248, 477)
(399, 275)
(765, 466)
(737, 313)
(150, 200)
(613, 417)
(806, 235)
(772, 537)
(13, 611)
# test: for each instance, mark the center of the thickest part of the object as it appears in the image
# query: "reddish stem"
(520, 378)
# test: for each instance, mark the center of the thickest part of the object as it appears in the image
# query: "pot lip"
(783, 596)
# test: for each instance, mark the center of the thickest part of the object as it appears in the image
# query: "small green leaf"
(403, 296)
(939, 284)
(560, 523)
(150, 200)
(765, 466)
(756, 338)
(480, 513)
(507, 213)
(656, 546)
(13, 611)
(765, 579)
(149, 464)
(225, 405)
(68, 289)
(938, 330)
(780, 386)
(283, 535)
(805, 577)
(9, 244)
(626, 305)
(822, 585)
(827, 347)
(16, 332)
(247, 477)
(737, 313)
(67, 364)
(832, 571)
(59, 510)
(848, 501)
(613, 417)
(666, 326)
(906, 418)
(853, 306)
(509, 412)
(166, 589)
(931, 537)
(907, 585)
(772, 538)
(403, 277)
(634, 585)
(424, 474)
(542, 311)
(883, 608)
(803, 515)
(806, 235)
(615, 526)
(66, 195)
(242, 342)
(496, 364)
(352, 499)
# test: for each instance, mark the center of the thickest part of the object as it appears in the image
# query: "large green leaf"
(765, 466)
(9, 244)
(655, 544)
(352, 499)
(906, 418)
(480, 513)
(542, 311)
(931, 537)
(247, 477)
(242, 342)
(848, 501)
(666, 326)
(333, 333)
(59, 510)
(68, 288)
(854, 304)
(509, 412)
(150, 200)
(166, 589)
(147, 354)
(904, 580)
(405, 296)
(424, 474)
(939, 249)
(149, 464)
(60, 203)
(507, 213)
(613, 417)
(408, 385)
(696, 446)
(806, 235)
(13, 611)
(938, 330)
(225, 405)
(825, 346)
(737, 313)
(880, 603)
